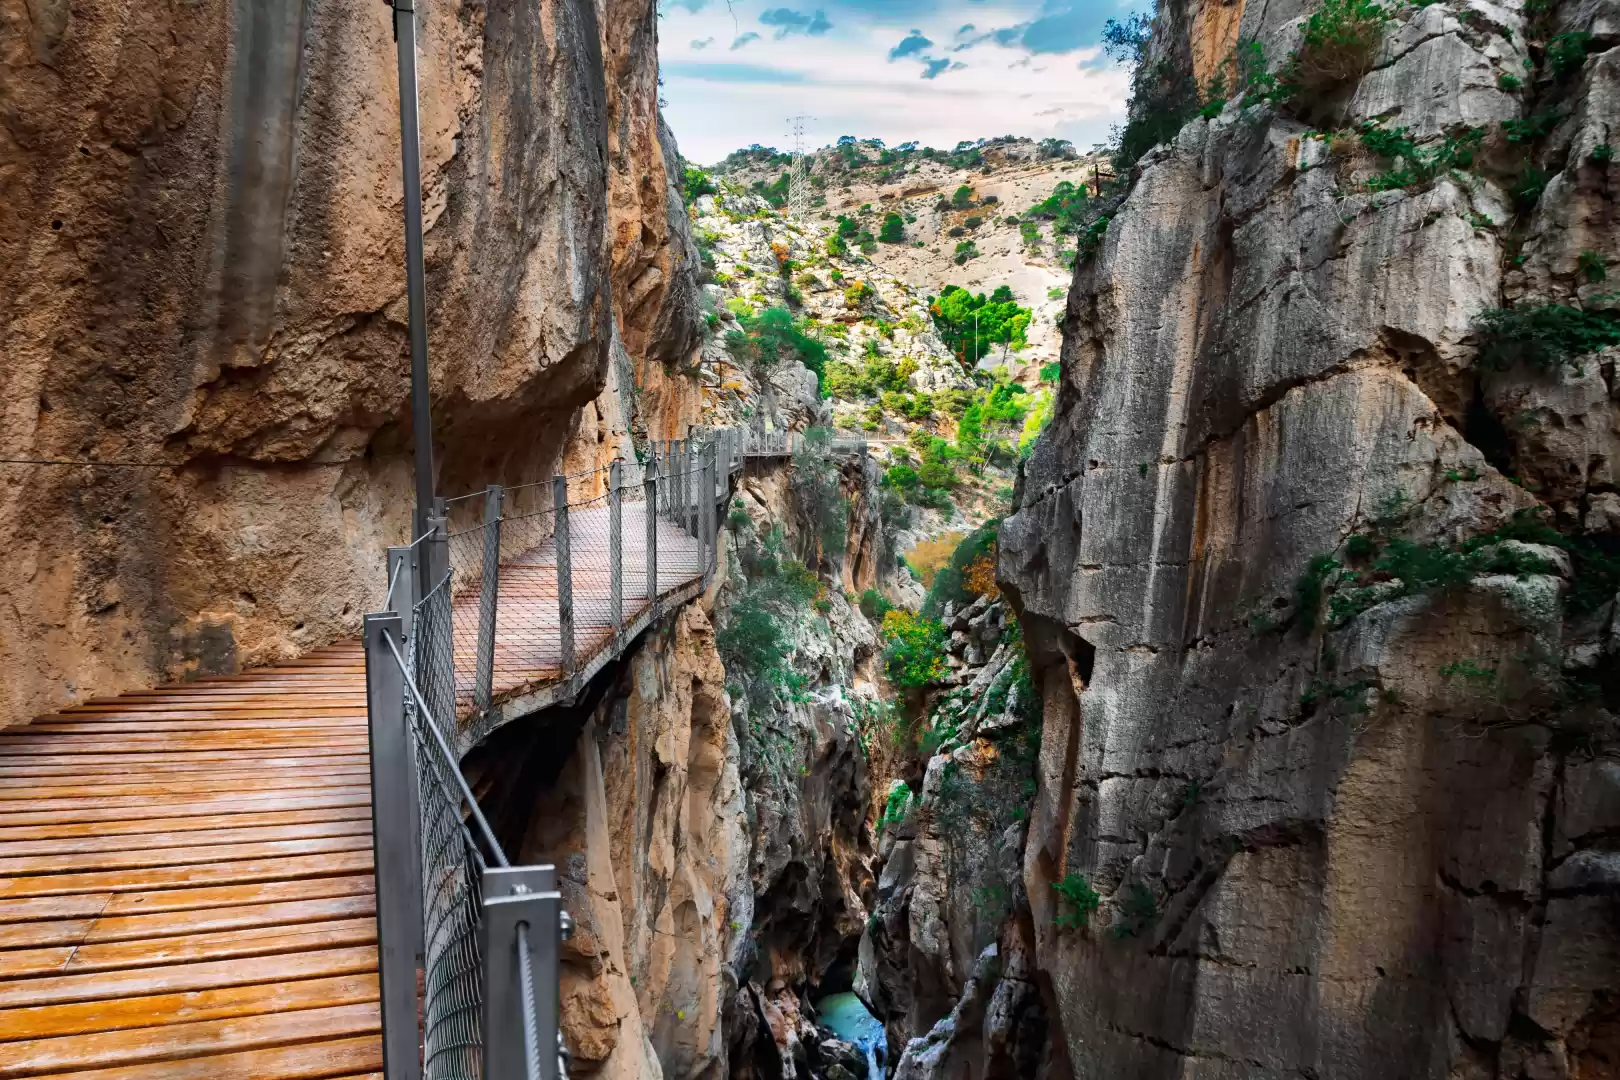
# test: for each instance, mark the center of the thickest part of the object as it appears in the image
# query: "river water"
(846, 1015)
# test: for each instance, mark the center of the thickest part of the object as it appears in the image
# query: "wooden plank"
(313, 1061)
(132, 858)
(180, 770)
(83, 1018)
(54, 792)
(356, 826)
(149, 811)
(253, 870)
(69, 779)
(172, 757)
(187, 1040)
(187, 948)
(181, 978)
(154, 822)
(39, 934)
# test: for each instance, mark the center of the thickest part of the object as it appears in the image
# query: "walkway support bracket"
(394, 827)
(652, 534)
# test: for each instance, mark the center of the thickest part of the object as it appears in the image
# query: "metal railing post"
(675, 473)
(434, 559)
(520, 936)
(404, 576)
(616, 551)
(397, 853)
(652, 536)
(488, 601)
(709, 545)
(565, 574)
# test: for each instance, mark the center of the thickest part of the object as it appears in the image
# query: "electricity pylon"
(799, 177)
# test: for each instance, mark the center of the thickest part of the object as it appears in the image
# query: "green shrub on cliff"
(914, 649)
(772, 338)
(1077, 902)
(1544, 336)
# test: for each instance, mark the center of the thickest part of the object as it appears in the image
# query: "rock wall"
(201, 250)
(1344, 816)
(636, 797)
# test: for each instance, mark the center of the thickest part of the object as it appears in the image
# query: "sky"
(934, 71)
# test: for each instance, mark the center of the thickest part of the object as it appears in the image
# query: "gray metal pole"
(565, 574)
(397, 854)
(520, 938)
(410, 151)
(489, 587)
(616, 550)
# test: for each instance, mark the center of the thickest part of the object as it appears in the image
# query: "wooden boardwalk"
(186, 885)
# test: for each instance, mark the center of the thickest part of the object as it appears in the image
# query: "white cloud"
(843, 80)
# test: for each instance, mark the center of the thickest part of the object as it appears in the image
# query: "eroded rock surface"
(201, 251)
(1321, 794)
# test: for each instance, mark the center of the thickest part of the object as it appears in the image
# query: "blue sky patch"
(787, 21)
(912, 44)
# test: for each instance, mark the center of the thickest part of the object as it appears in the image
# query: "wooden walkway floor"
(186, 884)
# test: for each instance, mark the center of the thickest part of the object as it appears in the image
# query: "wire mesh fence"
(541, 588)
(532, 584)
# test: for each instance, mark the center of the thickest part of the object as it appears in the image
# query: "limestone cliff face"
(1344, 820)
(636, 797)
(201, 251)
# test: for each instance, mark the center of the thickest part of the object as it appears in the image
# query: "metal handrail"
(448, 757)
(484, 933)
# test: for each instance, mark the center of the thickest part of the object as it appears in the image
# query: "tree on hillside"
(893, 230)
(1065, 208)
(969, 323)
(963, 199)
(772, 338)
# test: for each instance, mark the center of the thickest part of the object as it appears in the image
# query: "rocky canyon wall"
(1319, 590)
(201, 254)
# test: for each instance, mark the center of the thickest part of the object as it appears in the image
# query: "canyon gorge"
(1214, 676)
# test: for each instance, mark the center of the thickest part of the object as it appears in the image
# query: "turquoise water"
(848, 1018)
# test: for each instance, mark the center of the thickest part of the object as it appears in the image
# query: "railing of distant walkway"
(521, 593)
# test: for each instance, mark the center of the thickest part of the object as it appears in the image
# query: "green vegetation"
(774, 193)
(772, 338)
(969, 323)
(858, 293)
(1137, 912)
(1065, 208)
(1090, 242)
(1602, 153)
(965, 250)
(896, 805)
(837, 246)
(1535, 126)
(778, 590)
(1591, 266)
(876, 376)
(1509, 82)
(1030, 234)
(893, 230)
(873, 605)
(1414, 165)
(914, 649)
(950, 584)
(1567, 52)
(819, 491)
(1391, 568)
(1077, 902)
(1544, 336)
(1340, 40)
(963, 198)
(696, 183)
